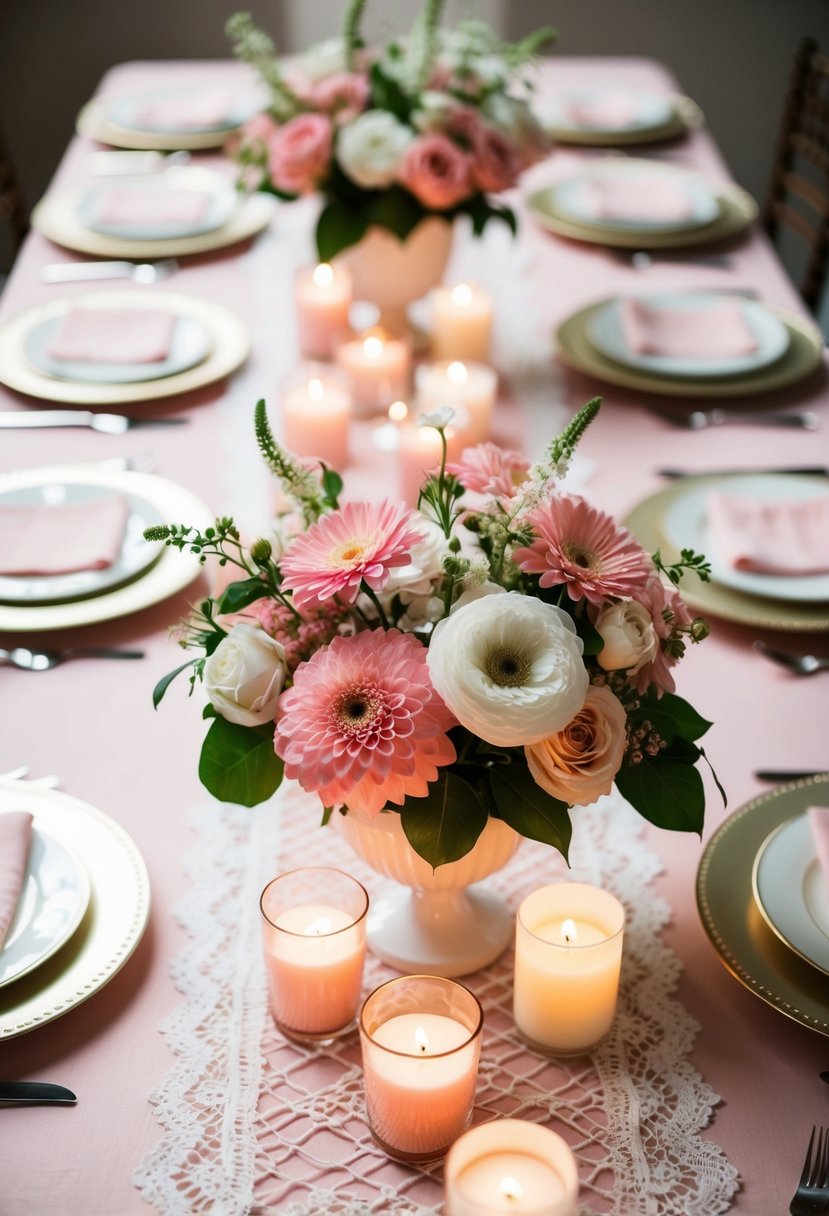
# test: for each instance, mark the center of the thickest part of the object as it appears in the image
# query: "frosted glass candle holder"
(512, 1166)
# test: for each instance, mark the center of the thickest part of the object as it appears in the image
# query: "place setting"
(197, 118)
(616, 117)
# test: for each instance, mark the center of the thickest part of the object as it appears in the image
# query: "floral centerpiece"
(431, 124)
(504, 650)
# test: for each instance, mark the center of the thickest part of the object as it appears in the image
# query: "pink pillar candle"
(313, 923)
(470, 388)
(378, 369)
(316, 413)
(461, 322)
(322, 297)
(513, 1166)
(421, 1038)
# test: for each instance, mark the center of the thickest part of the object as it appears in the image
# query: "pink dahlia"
(584, 549)
(488, 469)
(362, 724)
(361, 542)
(671, 621)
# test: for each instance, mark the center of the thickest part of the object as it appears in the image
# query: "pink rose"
(464, 123)
(578, 763)
(436, 171)
(299, 153)
(343, 96)
(495, 162)
(253, 137)
(671, 622)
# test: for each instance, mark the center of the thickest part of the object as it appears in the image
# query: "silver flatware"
(82, 272)
(777, 775)
(44, 660)
(111, 164)
(698, 420)
(110, 424)
(641, 259)
(804, 471)
(36, 1092)
(800, 664)
(812, 1195)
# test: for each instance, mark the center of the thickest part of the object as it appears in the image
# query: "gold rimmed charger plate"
(645, 521)
(737, 210)
(56, 217)
(115, 918)
(230, 345)
(93, 122)
(169, 574)
(732, 920)
(686, 116)
(802, 357)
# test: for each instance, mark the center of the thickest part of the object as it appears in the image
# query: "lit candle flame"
(511, 1188)
(323, 924)
(461, 295)
(316, 390)
(323, 275)
(373, 346)
(421, 1040)
(568, 931)
(456, 373)
(398, 411)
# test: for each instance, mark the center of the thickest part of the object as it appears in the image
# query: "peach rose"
(299, 153)
(578, 763)
(343, 95)
(436, 171)
(495, 162)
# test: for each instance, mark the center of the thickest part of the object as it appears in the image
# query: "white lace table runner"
(256, 1125)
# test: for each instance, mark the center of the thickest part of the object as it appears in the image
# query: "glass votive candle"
(469, 388)
(421, 1041)
(568, 953)
(378, 369)
(316, 413)
(322, 298)
(513, 1166)
(461, 322)
(314, 934)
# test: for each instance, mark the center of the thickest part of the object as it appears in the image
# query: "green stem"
(384, 621)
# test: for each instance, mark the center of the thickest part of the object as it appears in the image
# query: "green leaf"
(717, 782)
(387, 94)
(332, 484)
(327, 812)
(237, 596)
(444, 825)
(593, 640)
(396, 210)
(238, 763)
(481, 211)
(525, 806)
(209, 711)
(165, 681)
(670, 716)
(666, 792)
(339, 227)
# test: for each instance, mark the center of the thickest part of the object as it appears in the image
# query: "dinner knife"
(110, 424)
(673, 474)
(39, 1092)
(765, 774)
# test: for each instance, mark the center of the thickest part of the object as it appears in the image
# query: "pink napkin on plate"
(202, 108)
(642, 197)
(15, 840)
(819, 824)
(789, 539)
(125, 335)
(609, 110)
(46, 540)
(150, 207)
(718, 331)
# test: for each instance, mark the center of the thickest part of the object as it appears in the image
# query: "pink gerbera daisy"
(488, 469)
(362, 724)
(584, 549)
(361, 542)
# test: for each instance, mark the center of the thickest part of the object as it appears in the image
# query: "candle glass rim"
(411, 1055)
(309, 870)
(545, 941)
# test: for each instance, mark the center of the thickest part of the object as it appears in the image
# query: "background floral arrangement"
(506, 649)
(429, 124)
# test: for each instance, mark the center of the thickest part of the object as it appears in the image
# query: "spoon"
(801, 664)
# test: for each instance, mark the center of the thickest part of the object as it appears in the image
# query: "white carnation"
(630, 640)
(371, 147)
(244, 675)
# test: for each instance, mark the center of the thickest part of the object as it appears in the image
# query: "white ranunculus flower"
(243, 677)
(477, 591)
(323, 59)
(433, 110)
(509, 667)
(630, 640)
(371, 147)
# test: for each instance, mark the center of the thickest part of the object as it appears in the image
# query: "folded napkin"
(124, 335)
(779, 538)
(718, 331)
(15, 839)
(608, 111)
(819, 823)
(645, 197)
(150, 206)
(43, 540)
(203, 108)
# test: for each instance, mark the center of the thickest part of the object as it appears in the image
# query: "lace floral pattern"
(256, 1125)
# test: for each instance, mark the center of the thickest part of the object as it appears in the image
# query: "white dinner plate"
(223, 201)
(647, 110)
(53, 899)
(135, 556)
(791, 891)
(190, 344)
(127, 112)
(569, 198)
(605, 332)
(685, 526)
(115, 917)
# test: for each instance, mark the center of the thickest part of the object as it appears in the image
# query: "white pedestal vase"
(442, 924)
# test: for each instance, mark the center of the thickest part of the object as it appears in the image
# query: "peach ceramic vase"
(441, 923)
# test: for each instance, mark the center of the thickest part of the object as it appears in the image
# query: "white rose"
(244, 675)
(509, 667)
(371, 147)
(630, 640)
(323, 59)
(433, 110)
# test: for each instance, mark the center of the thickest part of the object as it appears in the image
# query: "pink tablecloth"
(92, 723)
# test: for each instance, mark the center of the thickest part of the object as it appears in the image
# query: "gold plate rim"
(92, 123)
(686, 116)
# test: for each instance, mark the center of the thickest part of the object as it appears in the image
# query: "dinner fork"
(812, 1195)
(44, 660)
(77, 272)
(801, 664)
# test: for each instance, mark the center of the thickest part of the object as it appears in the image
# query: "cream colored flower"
(630, 640)
(578, 763)
(371, 148)
(244, 675)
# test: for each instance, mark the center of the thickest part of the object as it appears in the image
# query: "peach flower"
(436, 171)
(343, 95)
(578, 763)
(495, 162)
(300, 152)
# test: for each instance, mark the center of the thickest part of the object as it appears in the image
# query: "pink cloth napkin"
(779, 538)
(42, 540)
(204, 108)
(819, 823)
(15, 839)
(718, 331)
(609, 110)
(126, 335)
(150, 207)
(645, 197)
